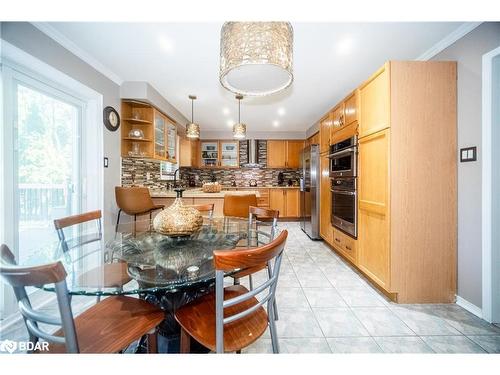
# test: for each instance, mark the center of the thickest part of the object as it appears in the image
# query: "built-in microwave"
(343, 158)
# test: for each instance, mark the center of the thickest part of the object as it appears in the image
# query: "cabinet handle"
(336, 239)
(348, 248)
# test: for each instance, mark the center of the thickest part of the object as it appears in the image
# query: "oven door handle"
(343, 192)
(343, 152)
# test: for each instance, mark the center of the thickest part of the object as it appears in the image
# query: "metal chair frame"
(269, 298)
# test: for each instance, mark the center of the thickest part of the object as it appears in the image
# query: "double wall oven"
(343, 174)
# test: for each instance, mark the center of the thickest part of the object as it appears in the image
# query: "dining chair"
(109, 274)
(209, 207)
(256, 214)
(231, 318)
(237, 205)
(107, 327)
(135, 201)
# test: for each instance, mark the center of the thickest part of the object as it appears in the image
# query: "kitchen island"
(285, 199)
(198, 196)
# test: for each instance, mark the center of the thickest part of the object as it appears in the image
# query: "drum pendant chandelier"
(256, 58)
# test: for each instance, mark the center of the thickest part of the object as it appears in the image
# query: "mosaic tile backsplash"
(135, 172)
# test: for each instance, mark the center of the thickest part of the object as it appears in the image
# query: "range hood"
(252, 154)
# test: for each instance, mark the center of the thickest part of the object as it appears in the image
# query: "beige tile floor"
(325, 306)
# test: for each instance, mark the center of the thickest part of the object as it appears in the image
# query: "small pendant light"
(239, 129)
(192, 129)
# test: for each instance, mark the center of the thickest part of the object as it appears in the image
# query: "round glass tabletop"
(135, 259)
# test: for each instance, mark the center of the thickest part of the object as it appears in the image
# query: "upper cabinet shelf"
(160, 132)
(137, 121)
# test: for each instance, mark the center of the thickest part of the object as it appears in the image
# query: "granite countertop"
(198, 193)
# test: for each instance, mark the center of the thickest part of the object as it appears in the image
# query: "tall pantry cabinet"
(407, 180)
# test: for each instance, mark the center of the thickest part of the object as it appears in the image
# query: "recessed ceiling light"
(344, 46)
(276, 123)
(166, 43)
(225, 110)
(281, 111)
(230, 123)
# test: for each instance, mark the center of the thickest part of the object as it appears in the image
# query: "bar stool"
(135, 201)
(209, 207)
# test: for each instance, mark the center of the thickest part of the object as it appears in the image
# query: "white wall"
(468, 52)
(26, 37)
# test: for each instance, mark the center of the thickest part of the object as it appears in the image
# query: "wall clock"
(111, 119)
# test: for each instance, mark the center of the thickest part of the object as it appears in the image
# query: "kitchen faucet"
(175, 180)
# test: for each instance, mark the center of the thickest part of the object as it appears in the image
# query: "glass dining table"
(166, 271)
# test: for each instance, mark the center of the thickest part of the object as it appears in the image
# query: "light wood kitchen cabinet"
(338, 120)
(189, 152)
(292, 202)
(284, 154)
(407, 224)
(351, 109)
(373, 213)
(405, 114)
(286, 201)
(374, 97)
(159, 132)
(313, 139)
(325, 226)
(345, 244)
(276, 154)
(293, 150)
(277, 200)
(160, 135)
(219, 154)
(325, 125)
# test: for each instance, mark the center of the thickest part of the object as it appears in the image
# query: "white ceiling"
(178, 59)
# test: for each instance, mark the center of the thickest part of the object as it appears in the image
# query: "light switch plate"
(106, 162)
(468, 154)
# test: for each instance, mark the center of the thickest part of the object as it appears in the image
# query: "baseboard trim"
(470, 307)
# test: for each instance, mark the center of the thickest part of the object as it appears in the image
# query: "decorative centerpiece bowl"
(178, 220)
(211, 187)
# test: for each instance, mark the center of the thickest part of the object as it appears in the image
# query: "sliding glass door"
(47, 164)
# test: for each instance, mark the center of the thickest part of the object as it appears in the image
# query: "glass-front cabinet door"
(209, 154)
(229, 154)
(159, 126)
(171, 141)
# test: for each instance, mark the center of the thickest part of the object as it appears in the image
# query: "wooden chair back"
(77, 219)
(263, 213)
(20, 277)
(79, 240)
(209, 207)
(247, 259)
(237, 205)
(133, 200)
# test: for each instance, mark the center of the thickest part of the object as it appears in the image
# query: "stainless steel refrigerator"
(309, 191)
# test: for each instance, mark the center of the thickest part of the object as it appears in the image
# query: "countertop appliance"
(344, 206)
(281, 178)
(309, 191)
(343, 158)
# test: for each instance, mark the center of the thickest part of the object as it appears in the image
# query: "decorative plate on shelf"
(111, 119)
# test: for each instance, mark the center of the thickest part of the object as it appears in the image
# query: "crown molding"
(448, 40)
(61, 39)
